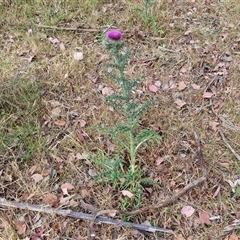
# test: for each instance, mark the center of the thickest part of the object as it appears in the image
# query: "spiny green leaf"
(146, 136)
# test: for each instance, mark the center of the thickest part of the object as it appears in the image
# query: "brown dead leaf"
(21, 227)
(106, 91)
(8, 177)
(195, 86)
(82, 123)
(60, 123)
(207, 95)
(180, 103)
(55, 103)
(204, 216)
(37, 177)
(84, 193)
(183, 70)
(38, 234)
(197, 222)
(56, 112)
(180, 237)
(46, 173)
(181, 85)
(110, 146)
(149, 190)
(224, 36)
(231, 25)
(160, 160)
(224, 164)
(95, 79)
(80, 238)
(92, 172)
(153, 88)
(61, 46)
(217, 191)
(53, 40)
(127, 193)
(58, 159)
(78, 56)
(80, 136)
(23, 52)
(214, 125)
(112, 214)
(31, 58)
(218, 106)
(32, 169)
(50, 199)
(188, 211)
(66, 187)
(161, 168)
(233, 236)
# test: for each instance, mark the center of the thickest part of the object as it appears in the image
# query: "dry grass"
(37, 77)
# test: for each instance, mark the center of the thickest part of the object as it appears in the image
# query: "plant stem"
(132, 152)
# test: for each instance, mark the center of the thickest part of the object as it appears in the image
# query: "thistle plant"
(148, 17)
(148, 4)
(124, 172)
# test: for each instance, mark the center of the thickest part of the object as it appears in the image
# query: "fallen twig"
(169, 50)
(80, 215)
(77, 29)
(233, 226)
(171, 199)
(228, 124)
(228, 145)
(210, 83)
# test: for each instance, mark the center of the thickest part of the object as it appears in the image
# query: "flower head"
(114, 34)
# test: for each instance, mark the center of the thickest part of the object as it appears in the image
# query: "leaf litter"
(188, 211)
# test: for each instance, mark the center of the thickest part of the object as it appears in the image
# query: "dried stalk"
(74, 29)
(228, 145)
(80, 215)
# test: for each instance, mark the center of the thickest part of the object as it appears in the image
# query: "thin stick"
(171, 199)
(210, 83)
(80, 215)
(168, 50)
(72, 28)
(228, 124)
(228, 145)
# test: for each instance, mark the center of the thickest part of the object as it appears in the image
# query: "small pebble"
(158, 84)
(165, 87)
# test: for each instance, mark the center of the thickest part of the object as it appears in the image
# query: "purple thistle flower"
(114, 34)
